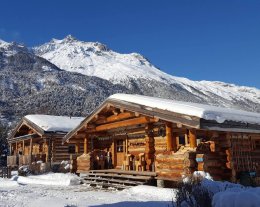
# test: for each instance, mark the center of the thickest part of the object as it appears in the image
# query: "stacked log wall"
(60, 151)
(173, 166)
(136, 146)
(244, 155)
(212, 157)
(84, 163)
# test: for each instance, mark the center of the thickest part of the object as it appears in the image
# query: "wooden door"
(120, 153)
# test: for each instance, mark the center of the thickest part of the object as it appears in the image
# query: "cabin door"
(120, 153)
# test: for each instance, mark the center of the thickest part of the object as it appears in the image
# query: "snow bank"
(228, 194)
(151, 192)
(58, 179)
(6, 183)
(55, 123)
(237, 198)
(207, 112)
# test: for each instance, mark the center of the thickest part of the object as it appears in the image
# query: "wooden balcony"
(24, 159)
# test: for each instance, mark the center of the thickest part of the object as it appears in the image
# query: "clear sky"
(197, 39)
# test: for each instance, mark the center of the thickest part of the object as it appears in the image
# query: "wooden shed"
(170, 138)
(39, 138)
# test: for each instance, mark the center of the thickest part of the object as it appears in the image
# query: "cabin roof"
(199, 116)
(42, 124)
(50, 123)
(207, 112)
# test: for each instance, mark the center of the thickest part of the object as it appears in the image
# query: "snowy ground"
(64, 190)
(57, 190)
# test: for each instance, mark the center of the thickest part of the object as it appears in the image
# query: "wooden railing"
(12, 161)
(25, 160)
(5, 172)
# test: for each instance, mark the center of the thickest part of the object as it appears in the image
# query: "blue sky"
(197, 39)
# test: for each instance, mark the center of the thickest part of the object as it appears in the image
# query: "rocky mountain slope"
(71, 77)
(30, 84)
(136, 72)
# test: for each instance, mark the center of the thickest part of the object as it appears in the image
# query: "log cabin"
(39, 138)
(170, 138)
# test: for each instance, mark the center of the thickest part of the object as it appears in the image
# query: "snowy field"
(64, 190)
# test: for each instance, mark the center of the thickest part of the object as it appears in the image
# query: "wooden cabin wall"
(160, 145)
(103, 144)
(244, 154)
(135, 146)
(60, 151)
(226, 155)
(212, 156)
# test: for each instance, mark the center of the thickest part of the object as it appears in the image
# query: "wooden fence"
(5, 172)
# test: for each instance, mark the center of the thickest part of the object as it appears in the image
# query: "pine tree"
(3, 144)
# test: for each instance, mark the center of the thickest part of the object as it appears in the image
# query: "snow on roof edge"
(51, 123)
(207, 112)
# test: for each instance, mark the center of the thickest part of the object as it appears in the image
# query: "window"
(182, 140)
(72, 149)
(119, 145)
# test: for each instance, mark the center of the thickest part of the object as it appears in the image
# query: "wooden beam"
(129, 122)
(115, 117)
(193, 138)
(120, 116)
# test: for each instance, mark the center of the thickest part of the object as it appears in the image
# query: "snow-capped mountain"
(133, 70)
(12, 48)
(30, 84)
(96, 59)
(71, 77)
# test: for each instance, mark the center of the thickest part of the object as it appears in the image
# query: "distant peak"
(69, 38)
(2, 42)
(101, 47)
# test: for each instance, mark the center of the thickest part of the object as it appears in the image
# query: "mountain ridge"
(138, 67)
(30, 82)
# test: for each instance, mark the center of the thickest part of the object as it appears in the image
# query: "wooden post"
(10, 149)
(177, 140)
(186, 139)
(77, 147)
(23, 147)
(193, 138)
(126, 145)
(149, 146)
(171, 138)
(16, 150)
(114, 161)
(30, 152)
(86, 145)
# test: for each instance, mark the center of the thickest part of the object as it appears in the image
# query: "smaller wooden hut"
(38, 138)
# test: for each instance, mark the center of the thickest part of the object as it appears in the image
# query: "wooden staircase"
(117, 179)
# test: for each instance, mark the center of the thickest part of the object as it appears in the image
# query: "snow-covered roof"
(207, 112)
(54, 123)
